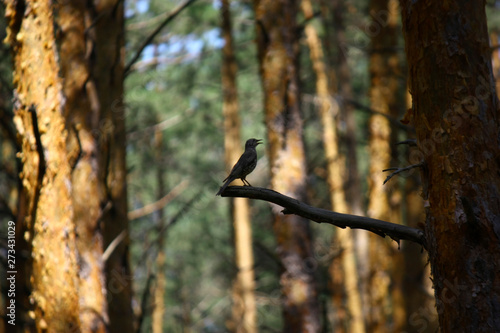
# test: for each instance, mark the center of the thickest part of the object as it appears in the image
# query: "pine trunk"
(277, 42)
(343, 269)
(244, 307)
(47, 208)
(456, 116)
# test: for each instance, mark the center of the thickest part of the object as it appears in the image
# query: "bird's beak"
(259, 141)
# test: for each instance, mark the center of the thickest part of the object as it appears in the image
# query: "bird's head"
(252, 143)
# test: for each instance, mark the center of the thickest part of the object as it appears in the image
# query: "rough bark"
(244, 308)
(47, 204)
(455, 113)
(343, 269)
(73, 20)
(277, 52)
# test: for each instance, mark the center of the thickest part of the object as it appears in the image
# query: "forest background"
(180, 251)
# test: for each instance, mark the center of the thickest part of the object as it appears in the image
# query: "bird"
(245, 164)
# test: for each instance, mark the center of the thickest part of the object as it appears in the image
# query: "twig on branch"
(148, 40)
(293, 206)
(399, 170)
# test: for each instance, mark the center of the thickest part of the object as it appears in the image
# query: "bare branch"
(157, 205)
(399, 170)
(148, 40)
(161, 126)
(293, 206)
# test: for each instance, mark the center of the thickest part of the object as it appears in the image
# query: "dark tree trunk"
(455, 113)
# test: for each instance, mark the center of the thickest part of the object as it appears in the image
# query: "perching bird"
(244, 166)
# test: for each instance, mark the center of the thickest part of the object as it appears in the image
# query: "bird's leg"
(245, 182)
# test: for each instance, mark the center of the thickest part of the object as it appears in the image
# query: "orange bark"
(456, 117)
(161, 280)
(277, 51)
(46, 172)
(82, 151)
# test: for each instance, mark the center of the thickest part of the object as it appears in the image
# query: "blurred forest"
(192, 78)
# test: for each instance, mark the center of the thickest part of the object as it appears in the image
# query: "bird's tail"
(223, 187)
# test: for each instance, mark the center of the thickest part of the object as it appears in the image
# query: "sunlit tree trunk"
(337, 50)
(46, 172)
(456, 117)
(161, 280)
(343, 269)
(82, 153)
(384, 200)
(277, 42)
(244, 307)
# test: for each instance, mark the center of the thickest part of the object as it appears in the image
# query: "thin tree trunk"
(336, 43)
(107, 55)
(456, 117)
(161, 281)
(417, 286)
(353, 183)
(384, 201)
(49, 217)
(244, 307)
(344, 266)
(277, 43)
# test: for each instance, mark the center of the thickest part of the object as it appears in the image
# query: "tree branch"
(293, 206)
(159, 204)
(399, 170)
(150, 38)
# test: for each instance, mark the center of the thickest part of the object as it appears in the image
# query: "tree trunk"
(82, 153)
(161, 279)
(244, 308)
(353, 183)
(420, 307)
(277, 43)
(49, 217)
(384, 200)
(343, 269)
(455, 113)
(107, 72)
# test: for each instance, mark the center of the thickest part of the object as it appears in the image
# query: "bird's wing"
(237, 168)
